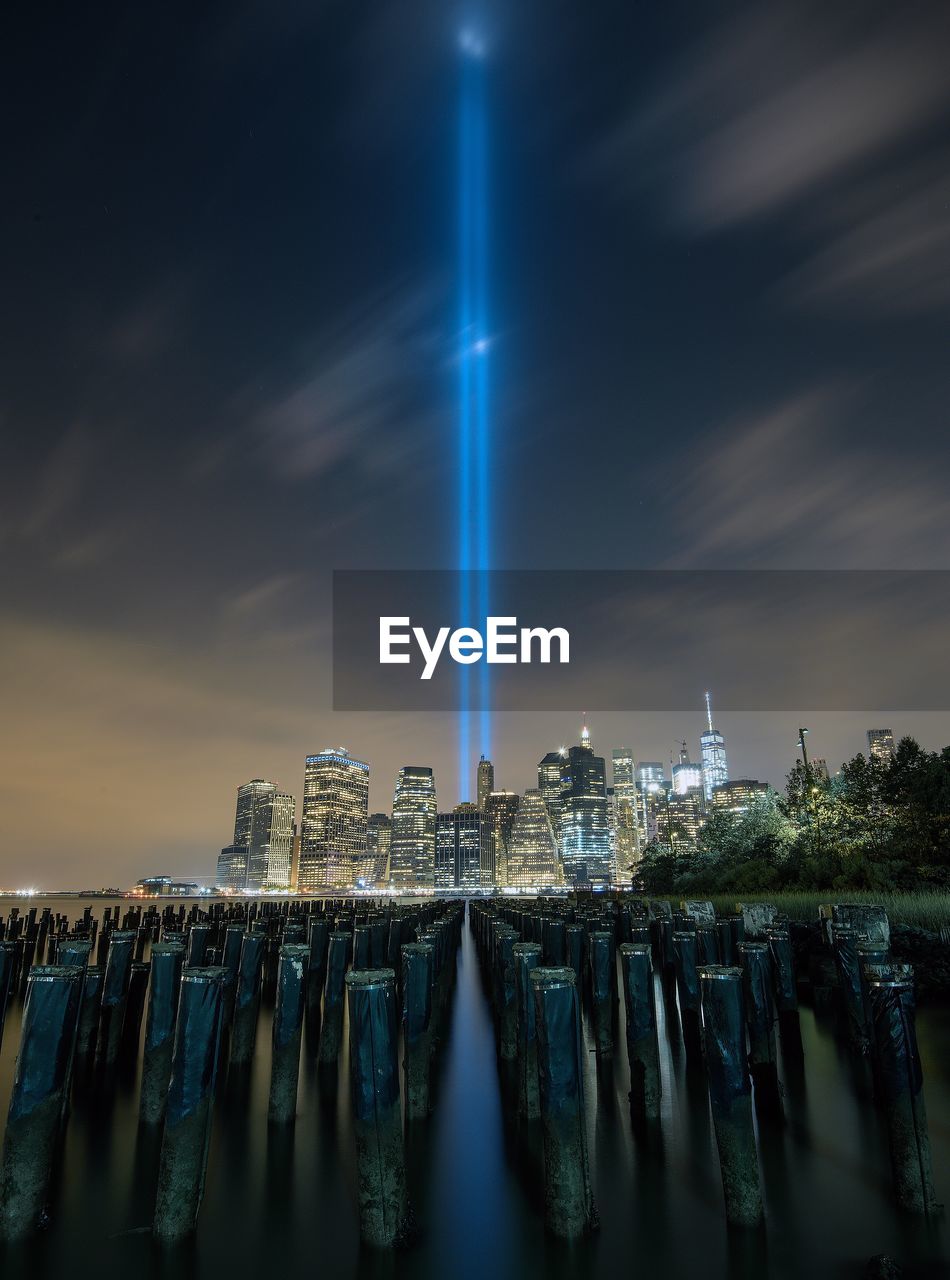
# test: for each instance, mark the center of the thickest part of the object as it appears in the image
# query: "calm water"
(278, 1202)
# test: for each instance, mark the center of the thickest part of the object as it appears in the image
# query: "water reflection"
(286, 1198)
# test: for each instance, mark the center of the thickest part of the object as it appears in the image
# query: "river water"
(286, 1204)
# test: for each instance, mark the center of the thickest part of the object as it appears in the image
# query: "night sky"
(721, 280)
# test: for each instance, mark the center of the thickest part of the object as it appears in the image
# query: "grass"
(925, 910)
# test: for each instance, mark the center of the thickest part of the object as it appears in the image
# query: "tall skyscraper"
(625, 824)
(334, 820)
(686, 775)
(881, 745)
(484, 782)
(232, 867)
(412, 843)
(652, 785)
(682, 821)
(585, 830)
(533, 860)
(460, 838)
(549, 784)
(264, 825)
(378, 832)
(712, 752)
(500, 810)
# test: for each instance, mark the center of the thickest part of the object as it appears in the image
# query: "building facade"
(378, 832)
(881, 745)
(586, 853)
(333, 822)
(532, 858)
(500, 810)
(712, 753)
(738, 796)
(686, 775)
(549, 784)
(461, 837)
(484, 782)
(412, 842)
(625, 826)
(264, 825)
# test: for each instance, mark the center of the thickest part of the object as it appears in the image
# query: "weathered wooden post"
(760, 1016)
(38, 1101)
(319, 936)
(6, 974)
(505, 939)
(730, 1094)
(603, 976)
(687, 988)
(287, 1028)
(115, 991)
(901, 1079)
(377, 1124)
(331, 1032)
(643, 1051)
(167, 961)
(247, 1000)
(569, 1209)
(184, 1158)
(786, 994)
(418, 959)
(527, 957)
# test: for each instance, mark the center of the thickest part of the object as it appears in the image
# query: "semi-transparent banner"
(649, 640)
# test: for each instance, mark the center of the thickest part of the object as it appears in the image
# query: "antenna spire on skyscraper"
(709, 711)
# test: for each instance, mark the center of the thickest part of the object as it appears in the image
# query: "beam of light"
(474, 499)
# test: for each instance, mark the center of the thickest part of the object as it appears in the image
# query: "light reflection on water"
(278, 1200)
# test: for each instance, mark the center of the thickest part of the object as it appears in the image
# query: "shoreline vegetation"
(878, 830)
(926, 910)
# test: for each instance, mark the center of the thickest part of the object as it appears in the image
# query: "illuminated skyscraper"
(712, 751)
(378, 831)
(549, 784)
(625, 824)
(739, 795)
(460, 838)
(412, 843)
(686, 775)
(585, 831)
(652, 785)
(680, 825)
(232, 867)
(484, 782)
(500, 810)
(264, 825)
(533, 860)
(333, 822)
(881, 745)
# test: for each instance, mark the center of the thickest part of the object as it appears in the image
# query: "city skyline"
(234, 358)
(598, 826)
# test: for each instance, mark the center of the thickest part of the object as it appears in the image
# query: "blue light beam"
(474, 426)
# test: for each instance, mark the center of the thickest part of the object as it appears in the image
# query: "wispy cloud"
(798, 487)
(58, 484)
(362, 394)
(887, 248)
(779, 103)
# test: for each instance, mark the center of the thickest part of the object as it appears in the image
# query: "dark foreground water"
(277, 1204)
